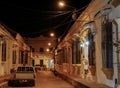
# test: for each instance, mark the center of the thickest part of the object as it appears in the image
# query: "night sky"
(32, 18)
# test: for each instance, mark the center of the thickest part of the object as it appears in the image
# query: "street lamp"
(52, 34)
(47, 50)
(49, 44)
(74, 12)
(63, 4)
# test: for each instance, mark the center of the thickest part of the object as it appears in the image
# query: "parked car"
(24, 76)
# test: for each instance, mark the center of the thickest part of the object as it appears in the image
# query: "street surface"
(46, 79)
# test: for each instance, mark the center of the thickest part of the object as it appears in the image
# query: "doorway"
(33, 62)
(41, 62)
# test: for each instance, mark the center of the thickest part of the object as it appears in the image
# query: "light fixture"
(61, 3)
(81, 45)
(87, 43)
(47, 50)
(52, 34)
(49, 44)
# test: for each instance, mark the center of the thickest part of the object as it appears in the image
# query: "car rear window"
(25, 69)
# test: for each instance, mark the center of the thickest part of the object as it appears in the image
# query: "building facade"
(42, 49)
(90, 50)
(13, 50)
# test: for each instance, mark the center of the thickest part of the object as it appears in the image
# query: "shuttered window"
(22, 56)
(60, 56)
(26, 57)
(107, 48)
(76, 52)
(91, 48)
(4, 50)
(14, 57)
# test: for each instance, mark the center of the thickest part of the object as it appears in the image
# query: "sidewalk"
(88, 83)
(82, 83)
(4, 80)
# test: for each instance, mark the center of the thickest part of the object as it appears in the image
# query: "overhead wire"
(53, 13)
(47, 29)
(55, 27)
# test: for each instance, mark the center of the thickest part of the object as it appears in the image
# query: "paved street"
(46, 79)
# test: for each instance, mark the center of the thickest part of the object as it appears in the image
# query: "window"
(25, 69)
(107, 48)
(33, 49)
(26, 58)
(60, 56)
(14, 57)
(91, 48)
(4, 50)
(68, 58)
(41, 62)
(19, 56)
(41, 50)
(76, 52)
(22, 56)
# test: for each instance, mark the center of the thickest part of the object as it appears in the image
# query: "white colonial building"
(93, 43)
(13, 51)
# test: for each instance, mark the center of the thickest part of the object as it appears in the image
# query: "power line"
(47, 29)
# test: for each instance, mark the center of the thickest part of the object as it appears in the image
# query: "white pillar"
(117, 65)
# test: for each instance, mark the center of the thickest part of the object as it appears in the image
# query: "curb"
(78, 84)
(75, 83)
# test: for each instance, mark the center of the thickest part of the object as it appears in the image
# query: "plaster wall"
(101, 77)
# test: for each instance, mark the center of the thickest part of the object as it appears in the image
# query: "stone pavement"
(82, 83)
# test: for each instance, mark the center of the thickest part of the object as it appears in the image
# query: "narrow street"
(60, 44)
(46, 79)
